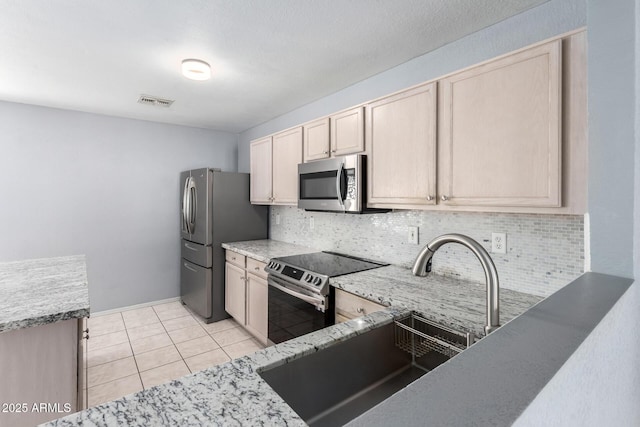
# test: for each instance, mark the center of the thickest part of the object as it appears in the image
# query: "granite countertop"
(232, 394)
(458, 304)
(40, 291)
(264, 250)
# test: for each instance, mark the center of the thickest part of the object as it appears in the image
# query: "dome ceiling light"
(195, 69)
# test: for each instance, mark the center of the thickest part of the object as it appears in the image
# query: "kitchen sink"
(338, 383)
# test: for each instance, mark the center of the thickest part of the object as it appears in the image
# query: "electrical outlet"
(413, 237)
(277, 219)
(499, 243)
(311, 224)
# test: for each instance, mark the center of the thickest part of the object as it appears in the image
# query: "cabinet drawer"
(256, 267)
(235, 258)
(197, 254)
(351, 306)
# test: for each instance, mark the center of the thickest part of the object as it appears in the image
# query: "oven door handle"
(307, 298)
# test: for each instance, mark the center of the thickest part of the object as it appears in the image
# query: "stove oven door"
(293, 312)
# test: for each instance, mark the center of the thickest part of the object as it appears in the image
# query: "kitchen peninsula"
(43, 304)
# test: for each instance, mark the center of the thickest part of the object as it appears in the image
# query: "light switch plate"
(277, 219)
(499, 243)
(412, 236)
(311, 223)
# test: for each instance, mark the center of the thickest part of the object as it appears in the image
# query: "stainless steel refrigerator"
(215, 208)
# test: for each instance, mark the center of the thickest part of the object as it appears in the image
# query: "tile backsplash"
(544, 252)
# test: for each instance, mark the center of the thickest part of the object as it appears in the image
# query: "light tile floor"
(138, 349)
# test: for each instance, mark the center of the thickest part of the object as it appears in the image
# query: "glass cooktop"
(329, 263)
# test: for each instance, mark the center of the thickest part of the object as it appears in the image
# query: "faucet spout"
(422, 266)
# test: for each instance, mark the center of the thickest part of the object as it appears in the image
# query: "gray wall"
(547, 20)
(611, 70)
(78, 183)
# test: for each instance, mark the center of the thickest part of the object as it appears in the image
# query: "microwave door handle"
(339, 185)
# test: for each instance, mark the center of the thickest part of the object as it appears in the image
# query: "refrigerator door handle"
(185, 205)
(193, 204)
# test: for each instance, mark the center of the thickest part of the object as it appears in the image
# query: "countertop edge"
(45, 319)
(533, 347)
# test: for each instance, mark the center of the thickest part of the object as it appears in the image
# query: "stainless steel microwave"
(334, 185)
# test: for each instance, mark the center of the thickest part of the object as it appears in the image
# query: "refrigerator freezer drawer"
(196, 253)
(195, 287)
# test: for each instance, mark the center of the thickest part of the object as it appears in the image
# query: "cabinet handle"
(444, 198)
(429, 198)
(333, 151)
(256, 268)
(233, 258)
(325, 152)
(360, 310)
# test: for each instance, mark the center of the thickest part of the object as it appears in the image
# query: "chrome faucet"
(422, 266)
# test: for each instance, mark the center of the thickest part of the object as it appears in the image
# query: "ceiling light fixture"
(196, 69)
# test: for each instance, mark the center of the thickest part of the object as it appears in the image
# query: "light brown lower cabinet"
(350, 306)
(246, 294)
(42, 372)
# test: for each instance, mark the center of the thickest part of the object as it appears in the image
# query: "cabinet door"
(261, 162)
(350, 306)
(347, 132)
(257, 303)
(401, 141)
(500, 131)
(287, 153)
(316, 140)
(234, 296)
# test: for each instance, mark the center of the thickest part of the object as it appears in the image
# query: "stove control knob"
(309, 278)
(316, 281)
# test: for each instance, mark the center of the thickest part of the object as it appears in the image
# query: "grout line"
(174, 344)
(132, 353)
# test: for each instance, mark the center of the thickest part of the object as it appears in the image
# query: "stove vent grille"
(155, 101)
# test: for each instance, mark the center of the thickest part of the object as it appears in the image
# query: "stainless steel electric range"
(300, 298)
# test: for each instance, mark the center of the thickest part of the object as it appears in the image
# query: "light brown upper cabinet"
(274, 168)
(337, 135)
(261, 165)
(401, 143)
(287, 153)
(500, 135)
(316, 140)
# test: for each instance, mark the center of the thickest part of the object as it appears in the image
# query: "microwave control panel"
(351, 184)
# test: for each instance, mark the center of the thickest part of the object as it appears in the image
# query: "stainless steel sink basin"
(336, 384)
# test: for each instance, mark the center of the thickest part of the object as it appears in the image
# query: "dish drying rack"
(419, 336)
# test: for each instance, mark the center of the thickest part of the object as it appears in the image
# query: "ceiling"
(268, 57)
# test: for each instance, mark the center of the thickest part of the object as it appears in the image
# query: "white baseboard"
(134, 307)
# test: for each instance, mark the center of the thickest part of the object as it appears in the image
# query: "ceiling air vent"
(153, 100)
